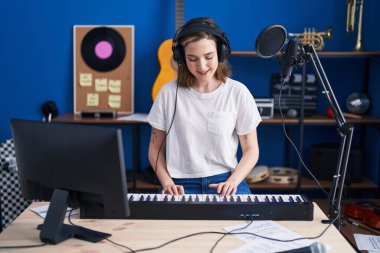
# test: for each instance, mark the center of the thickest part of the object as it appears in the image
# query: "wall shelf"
(305, 183)
(320, 120)
(352, 54)
(315, 120)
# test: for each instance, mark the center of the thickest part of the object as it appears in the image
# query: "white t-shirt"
(203, 140)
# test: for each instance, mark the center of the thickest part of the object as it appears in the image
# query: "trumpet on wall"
(352, 7)
(310, 36)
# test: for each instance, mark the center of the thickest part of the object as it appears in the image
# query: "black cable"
(23, 246)
(170, 127)
(232, 233)
(107, 239)
(291, 142)
(221, 238)
(120, 245)
(188, 236)
(37, 245)
(212, 232)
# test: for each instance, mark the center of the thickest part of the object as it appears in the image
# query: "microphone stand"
(345, 131)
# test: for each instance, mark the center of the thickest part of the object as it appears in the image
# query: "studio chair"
(11, 203)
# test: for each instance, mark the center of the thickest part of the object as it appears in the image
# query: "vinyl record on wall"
(103, 68)
(103, 49)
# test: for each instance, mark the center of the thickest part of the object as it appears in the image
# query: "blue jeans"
(200, 185)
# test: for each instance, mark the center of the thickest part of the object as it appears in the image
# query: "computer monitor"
(71, 165)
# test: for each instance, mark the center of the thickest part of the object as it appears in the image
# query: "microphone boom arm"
(345, 131)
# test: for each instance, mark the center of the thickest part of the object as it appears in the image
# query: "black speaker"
(223, 44)
(323, 159)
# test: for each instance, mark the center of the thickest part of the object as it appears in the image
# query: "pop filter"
(270, 41)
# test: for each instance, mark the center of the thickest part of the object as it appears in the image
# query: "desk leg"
(135, 153)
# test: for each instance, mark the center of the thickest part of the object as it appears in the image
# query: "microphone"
(289, 59)
(270, 41)
(316, 247)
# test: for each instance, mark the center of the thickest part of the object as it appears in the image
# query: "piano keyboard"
(214, 207)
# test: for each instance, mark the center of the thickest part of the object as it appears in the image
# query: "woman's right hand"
(173, 189)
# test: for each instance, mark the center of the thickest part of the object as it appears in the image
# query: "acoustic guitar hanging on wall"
(168, 67)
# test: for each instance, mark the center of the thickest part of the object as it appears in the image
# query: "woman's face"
(202, 59)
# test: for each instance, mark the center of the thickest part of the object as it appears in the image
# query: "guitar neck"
(179, 14)
(168, 69)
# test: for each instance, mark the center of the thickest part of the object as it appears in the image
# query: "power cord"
(224, 234)
(293, 145)
(231, 233)
(23, 246)
(221, 238)
(107, 239)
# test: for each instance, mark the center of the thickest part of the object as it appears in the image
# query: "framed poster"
(104, 69)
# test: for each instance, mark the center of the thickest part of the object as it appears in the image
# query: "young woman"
(199, 119)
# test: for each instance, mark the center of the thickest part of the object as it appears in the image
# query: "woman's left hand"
(225, 188)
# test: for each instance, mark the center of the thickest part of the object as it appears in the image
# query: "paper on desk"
(268, 229)
(42, 211)
(367, 242)
(139, 117)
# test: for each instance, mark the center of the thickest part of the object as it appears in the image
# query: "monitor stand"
(53, 231)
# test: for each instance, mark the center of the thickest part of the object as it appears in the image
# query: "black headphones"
(223, 45)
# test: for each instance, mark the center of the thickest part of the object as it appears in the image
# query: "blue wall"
(37, 60)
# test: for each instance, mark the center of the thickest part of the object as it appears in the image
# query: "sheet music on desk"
(371, 243)
(42, 211)
(269, 229)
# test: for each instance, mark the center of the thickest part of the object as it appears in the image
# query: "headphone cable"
(170, 127)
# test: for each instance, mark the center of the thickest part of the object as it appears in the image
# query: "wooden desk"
(76, 119)
(348, 229)
(138, 234)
